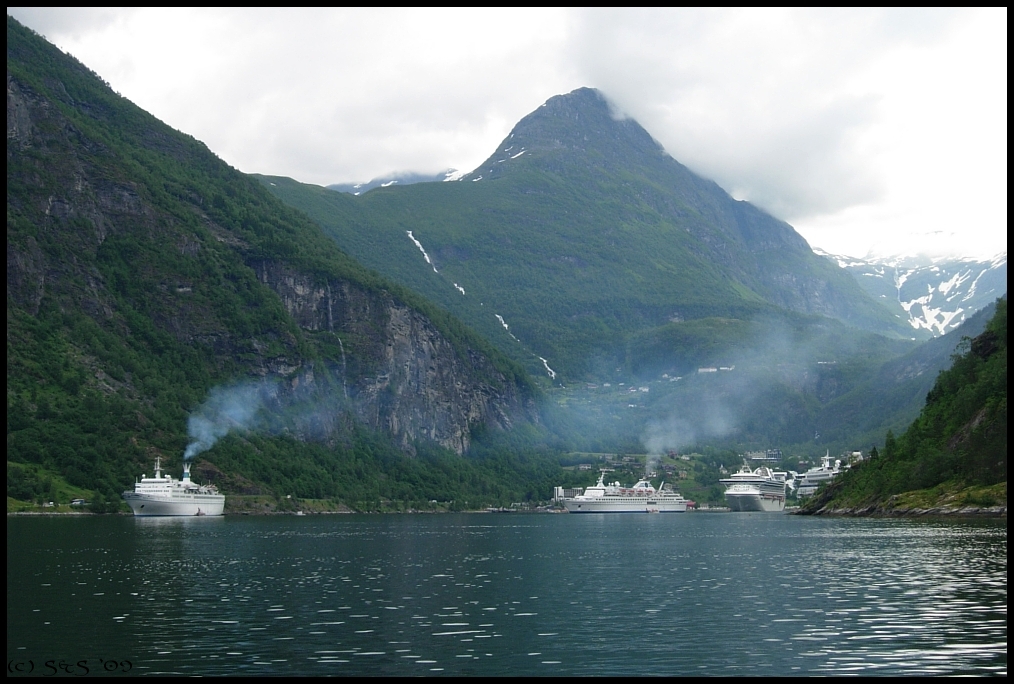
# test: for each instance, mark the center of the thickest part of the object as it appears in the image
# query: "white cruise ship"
(814, 477)
(755, 490)
(165, 495)
(613, 498)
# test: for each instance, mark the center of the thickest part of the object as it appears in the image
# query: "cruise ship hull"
(191, 505)
(754, 502)
(635, 506)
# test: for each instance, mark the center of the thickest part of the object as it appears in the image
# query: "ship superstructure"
(814, 477)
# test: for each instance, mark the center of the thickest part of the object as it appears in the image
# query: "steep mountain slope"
(934, 295)
(142, 272)
(579, 231)
(890, 396)
(959, 438)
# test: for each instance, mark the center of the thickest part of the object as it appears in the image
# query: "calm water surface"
(719, 594)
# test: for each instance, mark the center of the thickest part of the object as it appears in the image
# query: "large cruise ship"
(755, 490)
(165, 495)
(614, 498)
(814, 477)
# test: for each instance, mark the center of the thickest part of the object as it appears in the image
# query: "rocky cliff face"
(147, 256)
(411, 382)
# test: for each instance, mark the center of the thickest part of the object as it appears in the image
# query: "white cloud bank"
(866, 129)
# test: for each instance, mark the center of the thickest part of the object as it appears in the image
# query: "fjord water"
(718, 594)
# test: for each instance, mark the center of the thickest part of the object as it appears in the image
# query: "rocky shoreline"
(943, 501)
(897, 507)
(883, 511)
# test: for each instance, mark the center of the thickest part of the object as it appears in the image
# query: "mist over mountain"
(583, 250)
(935, 295)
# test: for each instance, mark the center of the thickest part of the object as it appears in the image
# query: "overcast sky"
(881, 130)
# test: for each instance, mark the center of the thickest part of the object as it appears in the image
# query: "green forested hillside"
(143, 271)
(890, 396)
(959, 439)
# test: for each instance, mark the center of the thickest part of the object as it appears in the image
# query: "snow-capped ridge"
(401, 178)
(935, 294)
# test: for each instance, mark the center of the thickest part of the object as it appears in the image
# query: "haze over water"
(510, 594)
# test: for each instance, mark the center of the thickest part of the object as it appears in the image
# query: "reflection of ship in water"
(762, 489)
(814, 477)
(614, 498)
(165, 495)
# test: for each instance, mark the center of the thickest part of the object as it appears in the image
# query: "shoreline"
(297, 513)
(914, 512)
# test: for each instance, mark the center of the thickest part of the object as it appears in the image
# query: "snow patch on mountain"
(397, 179)
(934, 294)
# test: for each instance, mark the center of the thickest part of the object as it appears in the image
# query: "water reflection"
(486, 594)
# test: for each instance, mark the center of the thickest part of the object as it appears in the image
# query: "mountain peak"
(582, 122)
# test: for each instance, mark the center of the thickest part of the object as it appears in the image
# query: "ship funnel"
(186, 471)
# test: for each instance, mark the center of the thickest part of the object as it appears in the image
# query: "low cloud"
(851, 124)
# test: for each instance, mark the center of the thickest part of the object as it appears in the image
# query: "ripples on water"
(713, 594)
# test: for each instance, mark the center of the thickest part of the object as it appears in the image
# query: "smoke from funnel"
(675, 433)
(664, 435)
(234, 407)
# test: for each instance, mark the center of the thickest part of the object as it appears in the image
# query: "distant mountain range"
(585, 251)
(935, 295)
